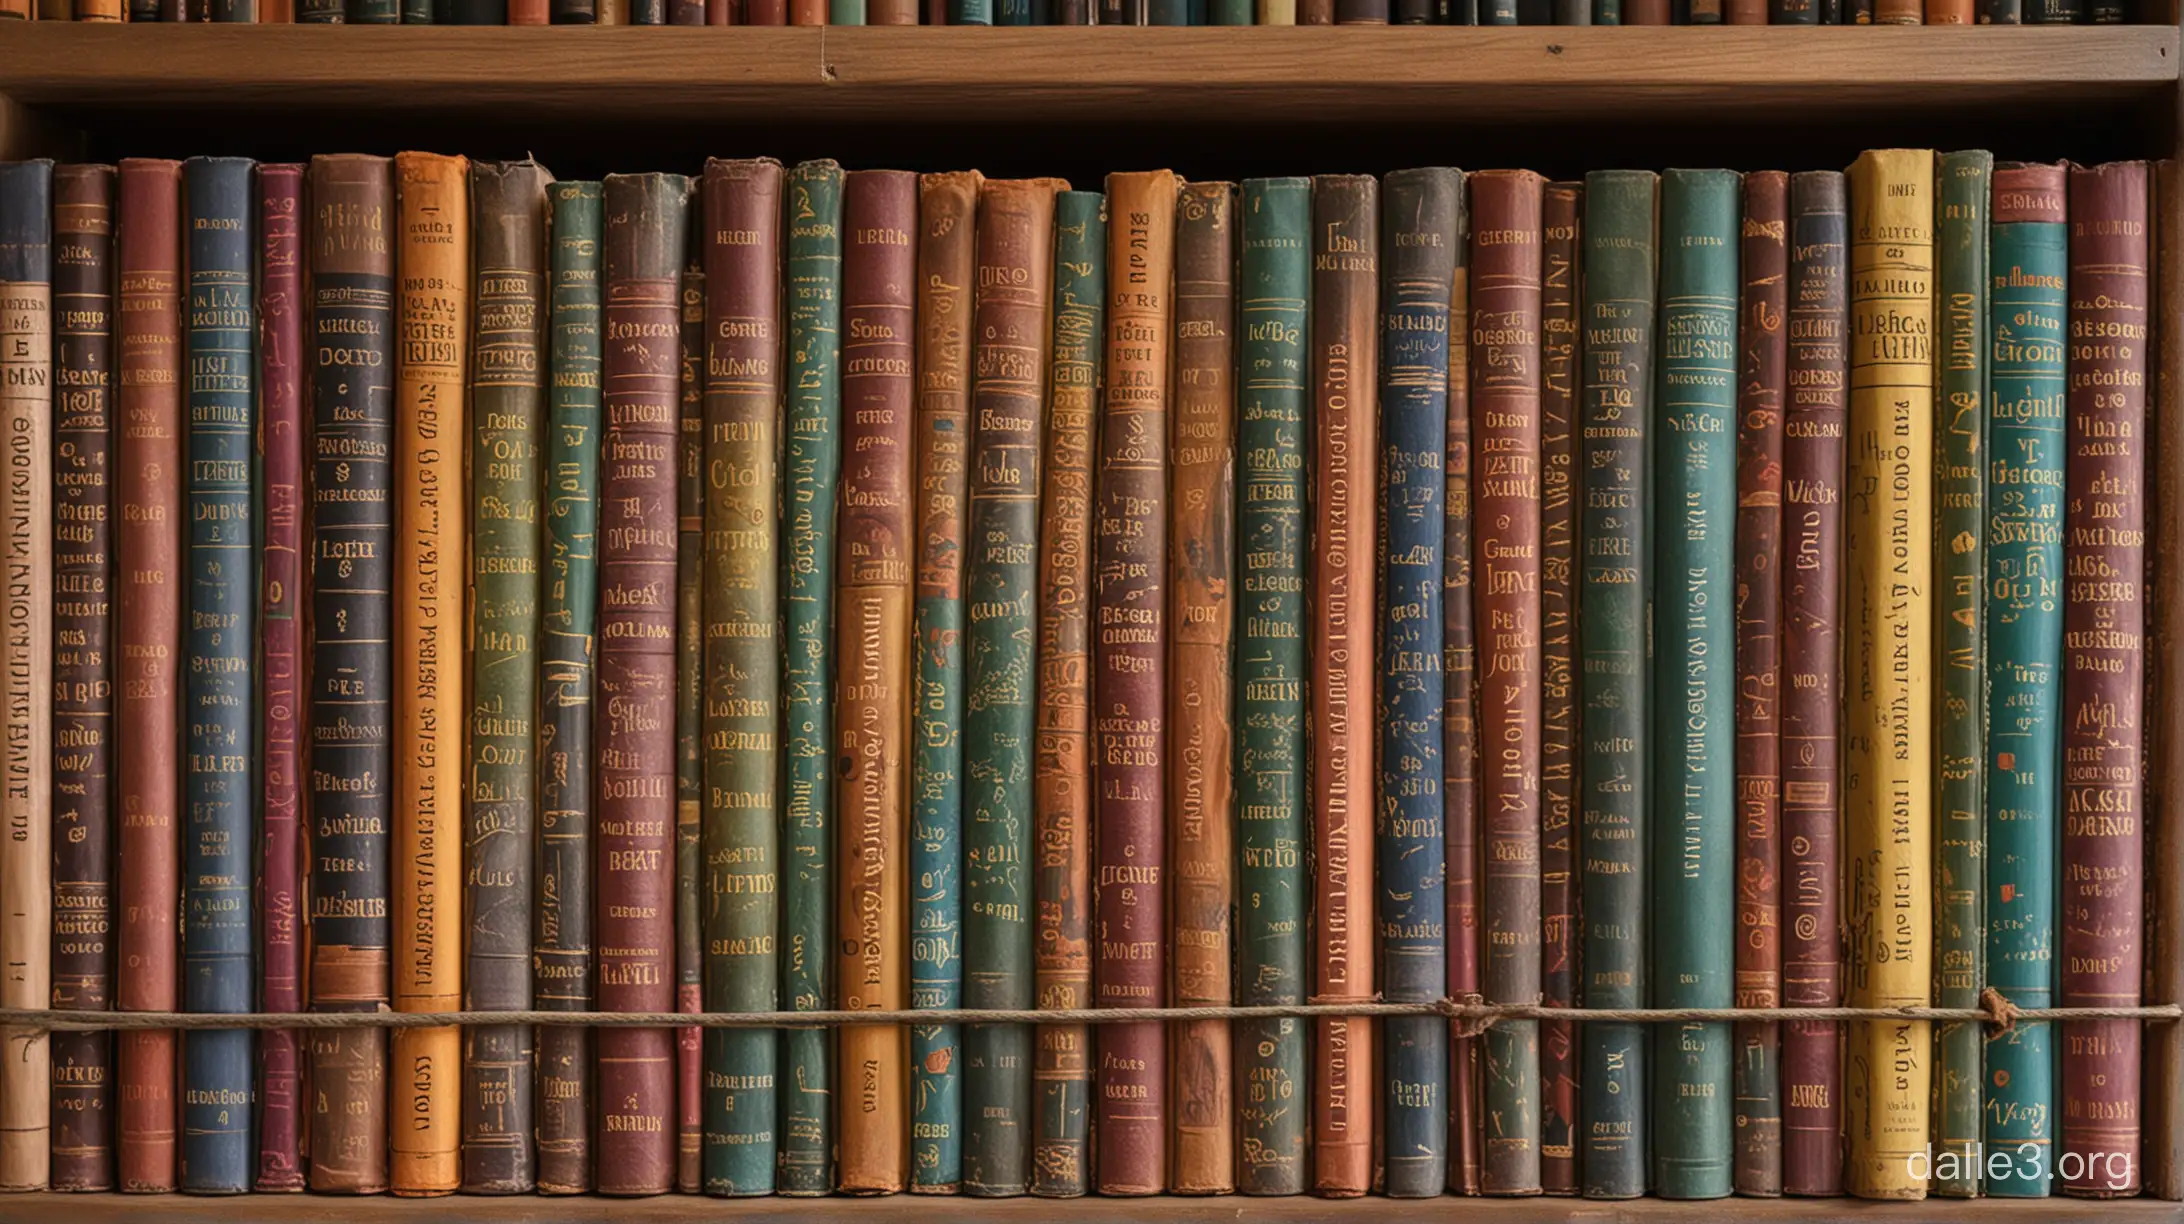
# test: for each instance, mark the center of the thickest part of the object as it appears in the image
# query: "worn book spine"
(1693, 894)
(281, 319)
(1960, 442)
(83, 668)
(872, 678)
(26, 679)
(1561, 277)
(2001, 12)
(148, 558)
(2027, 303)
(811, 461)
(508, 410)
(947, 262)
(220, 686)
(1506, 239)
(1418, 234)
(1460, 733)
(2101, 945)
(1129, 733)
(561, 922)
(1614, 583)
(432, 261)
(386, 12)
(1015, 252)
(308, 12)
(1762, 361)
(565, 12)
(1201, 838)
(690, 720)
(635, 842)
(2054, 12)
(1888, 651)
(1344, 552)
(1275, 327)
(351, 667)
(1062, 723)
(742, 205)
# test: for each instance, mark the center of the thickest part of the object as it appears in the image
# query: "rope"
(1471, 1017)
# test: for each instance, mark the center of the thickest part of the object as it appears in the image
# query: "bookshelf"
(1211, 103)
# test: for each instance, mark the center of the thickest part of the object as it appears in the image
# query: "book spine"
(26, 499)
(1961, 710)
(432, 259)
(280, 584)
(1506, 239)
(1062, 768)
(562, 978)
(947, 258)
(220, 689)
(1015, 252)
(1888, 628)
(1201, 534)
(1418, 232)
(1950, 12)
(872, 648)
(1560, 320)
(148, 556)
(2001, 12)
(2104, 657)
(1762, 362)
(690, 722)
(98, 10)
(743, 213)
(564, 12)
(811, 464)
(1345, 284)
(1129, 735)
(381, 12)
(635, 856)
(508, 227)
(1793, 12)
(351, 693)
(1814, 419)
(1694, 894)
(1272, 302)
(308, 12)
(1459, 731)
(892, 12)
(1614, 586)
(83, 668)
(839, 12)
(2027, 304)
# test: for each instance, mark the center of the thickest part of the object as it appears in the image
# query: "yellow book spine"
(1888, 667)
(432, 261)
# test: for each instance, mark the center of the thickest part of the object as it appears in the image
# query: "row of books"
(434, 587)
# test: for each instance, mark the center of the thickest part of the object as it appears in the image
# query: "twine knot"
(2001, 1013)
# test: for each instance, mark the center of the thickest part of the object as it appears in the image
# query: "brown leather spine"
(1315, 12)
(1646, 12)
(529, 12)
(1459, 733)
(1745, 12)
(83, 677)
(1559, 328)
(1202, 465)
(1899, 12)
(2104, 657)
(891, 12)
(1129, 735)
(1950, 12)
(148, 557)
(431, 431)
(1506, 238)
(872, 679)
(1763, 358)
(1345, 431)
(634, 868)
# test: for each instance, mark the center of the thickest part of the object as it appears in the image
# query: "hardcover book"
(690, 720)
(1460, 735)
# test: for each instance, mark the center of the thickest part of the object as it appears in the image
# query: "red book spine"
(280, 444)
(148, 554)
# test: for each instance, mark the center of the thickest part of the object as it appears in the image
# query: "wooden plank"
(1735, 75)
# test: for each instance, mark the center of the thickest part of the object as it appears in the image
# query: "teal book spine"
(811, 462)
(1614, 583)
(845, 12)
(1232, 12)
(1960, 233)
(970, 12)
(2028, 301)
(1272, 900)
(1693, 895)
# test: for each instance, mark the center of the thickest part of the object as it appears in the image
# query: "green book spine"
(845, 12)
(1614, 586)
(1274, 311)
(1960, 231)
(690, 719)
(2027, 306)
(741, 841)
(1693, 898)
(1232, 12)
(811, 462)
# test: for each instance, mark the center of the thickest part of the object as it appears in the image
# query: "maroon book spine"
(2104, 660)
(148, 555)
(280, 455)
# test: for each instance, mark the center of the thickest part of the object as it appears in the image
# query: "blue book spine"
(220, 691)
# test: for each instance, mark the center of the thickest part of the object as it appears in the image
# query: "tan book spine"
(432, 267)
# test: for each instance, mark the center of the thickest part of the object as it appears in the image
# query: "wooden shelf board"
(1102, 75)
